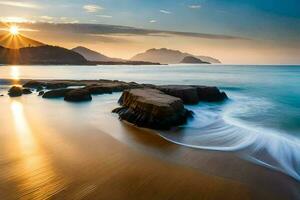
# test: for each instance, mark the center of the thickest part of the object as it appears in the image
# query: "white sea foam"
(213, 128)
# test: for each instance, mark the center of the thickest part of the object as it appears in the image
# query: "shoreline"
(150, 163)
(97, 158)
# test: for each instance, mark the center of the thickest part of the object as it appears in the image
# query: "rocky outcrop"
(190, 94)
(99, 89)
(187, 94)
(78, 95)
(58, 93)
(15, 91)
(152, 108)
(210, 94)
(26, 91)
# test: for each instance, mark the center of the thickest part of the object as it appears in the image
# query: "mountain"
(18, 41)
(91, 55)
(209, 59)
(43, 55)
(168, 56)
(192, 60)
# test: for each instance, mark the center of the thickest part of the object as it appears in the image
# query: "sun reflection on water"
(38, 179)
(15, 74)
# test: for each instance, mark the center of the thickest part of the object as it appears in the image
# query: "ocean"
(261, 119)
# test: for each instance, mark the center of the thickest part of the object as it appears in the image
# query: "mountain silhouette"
(18, 41)
(91, 55)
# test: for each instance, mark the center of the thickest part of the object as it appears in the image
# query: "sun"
(14, 30)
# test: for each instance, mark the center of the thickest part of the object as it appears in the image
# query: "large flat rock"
(152, 108)
(192, 94)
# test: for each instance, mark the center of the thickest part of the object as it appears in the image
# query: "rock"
(188, 94)
(56, 93)
(15, 91)
(98, 89)
(152, 108)
(210, 94)
(192, 94)
(34, 84)
(41, 93)
(26, 91)
(1, 95)
(78, 95)
(51, 86)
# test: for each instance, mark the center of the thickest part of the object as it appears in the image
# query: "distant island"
(169, 56)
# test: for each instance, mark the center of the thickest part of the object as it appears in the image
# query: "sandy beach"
(47, 153)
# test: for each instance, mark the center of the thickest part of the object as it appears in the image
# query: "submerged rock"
(78, 95)
(56, 93)
(26, 91)
(41, 93)
(15, 91)
(152, 108)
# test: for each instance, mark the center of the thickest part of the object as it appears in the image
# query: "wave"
(211, 129)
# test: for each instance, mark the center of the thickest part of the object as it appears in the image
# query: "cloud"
(114, 30)
(153, 21)
(14, 20)
(46, 17)
(165, 12)
(194, 6)
(92, 8)
(104, 16)
(19, 4)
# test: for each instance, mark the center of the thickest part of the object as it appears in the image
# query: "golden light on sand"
(14, 30)
(34, 169)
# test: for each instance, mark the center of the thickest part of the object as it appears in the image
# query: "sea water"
(261, 119)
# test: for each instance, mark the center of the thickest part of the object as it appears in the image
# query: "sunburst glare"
(14, 30)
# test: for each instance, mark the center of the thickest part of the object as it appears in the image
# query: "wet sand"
(53, 149)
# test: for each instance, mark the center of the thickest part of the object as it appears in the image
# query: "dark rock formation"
(34, 84)
(193, 60)
(41, 93)
(152, 108)
(15, 91)
(190, 94)
(187, 94)
(99, 89)
(210, 94)
(78, 95)
(26, 91)
(56, 93)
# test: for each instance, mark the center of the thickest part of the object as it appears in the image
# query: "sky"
(233, 31)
